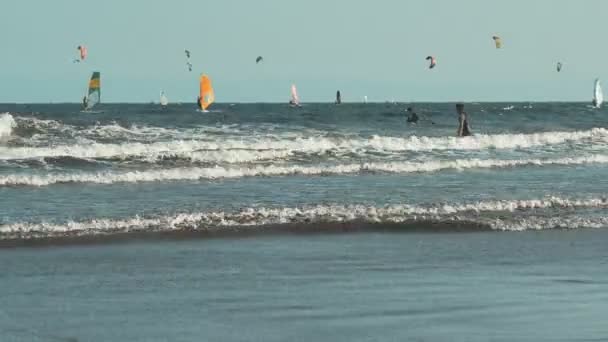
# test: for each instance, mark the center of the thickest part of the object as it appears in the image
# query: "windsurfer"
(199, 104)
(85, 102)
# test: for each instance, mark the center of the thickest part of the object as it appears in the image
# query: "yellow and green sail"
(94, 96)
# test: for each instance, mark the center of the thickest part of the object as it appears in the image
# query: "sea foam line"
(219, 172)
(251, 217)
(303, 144)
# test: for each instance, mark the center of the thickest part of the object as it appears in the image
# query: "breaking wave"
(282, 146)
(7, 124)
(514, 215)
(219, 172)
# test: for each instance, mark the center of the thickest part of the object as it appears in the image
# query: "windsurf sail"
(338, 97)
(94, 94)
(598, 96)
(365, 99)
(163, 99)
(295, 100)
(207, 95)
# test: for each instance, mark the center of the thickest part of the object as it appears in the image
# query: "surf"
(220, 172)
(7, 124)
(499, 215)
(286, 144)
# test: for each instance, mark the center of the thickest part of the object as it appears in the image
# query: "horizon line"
(303, 103)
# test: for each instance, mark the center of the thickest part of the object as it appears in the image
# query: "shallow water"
(479, 286)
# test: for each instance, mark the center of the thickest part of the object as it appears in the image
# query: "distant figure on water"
(198, 103)
(598, 95)
(463, 121)
(338, 97)
(85, 102)
(412, 117)
(294, 100)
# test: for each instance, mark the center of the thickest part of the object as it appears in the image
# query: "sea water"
(261, 222)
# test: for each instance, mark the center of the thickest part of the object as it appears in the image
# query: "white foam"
(7, 123)
(543, 223)
(483, 141)
(218, 172)
(209, 221)
(303, 144)
(115, 131)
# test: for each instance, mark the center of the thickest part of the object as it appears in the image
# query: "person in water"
(412, 117)
(463, 121)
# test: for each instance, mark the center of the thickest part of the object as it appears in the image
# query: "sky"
(363, 48)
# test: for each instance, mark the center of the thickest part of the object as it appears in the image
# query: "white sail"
(598, 96)
(163, 99)
(294, 95)
(365, 99)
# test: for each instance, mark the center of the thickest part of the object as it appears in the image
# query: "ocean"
(261, 222)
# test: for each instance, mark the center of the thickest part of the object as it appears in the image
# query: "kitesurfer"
(497, 41)
(188, 64)
(463, 121)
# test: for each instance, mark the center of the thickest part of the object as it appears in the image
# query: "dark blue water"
(496, 236)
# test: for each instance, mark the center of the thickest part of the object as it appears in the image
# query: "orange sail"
(207, 95)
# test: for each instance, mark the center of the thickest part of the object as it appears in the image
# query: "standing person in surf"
(412, 116)
(463, 121)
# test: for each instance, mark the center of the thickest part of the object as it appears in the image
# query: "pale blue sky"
(375, 48)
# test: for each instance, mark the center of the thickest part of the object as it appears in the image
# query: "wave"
(477, 215)
(7, 124)
(29, 127)
(218, 172)
(289, 145)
